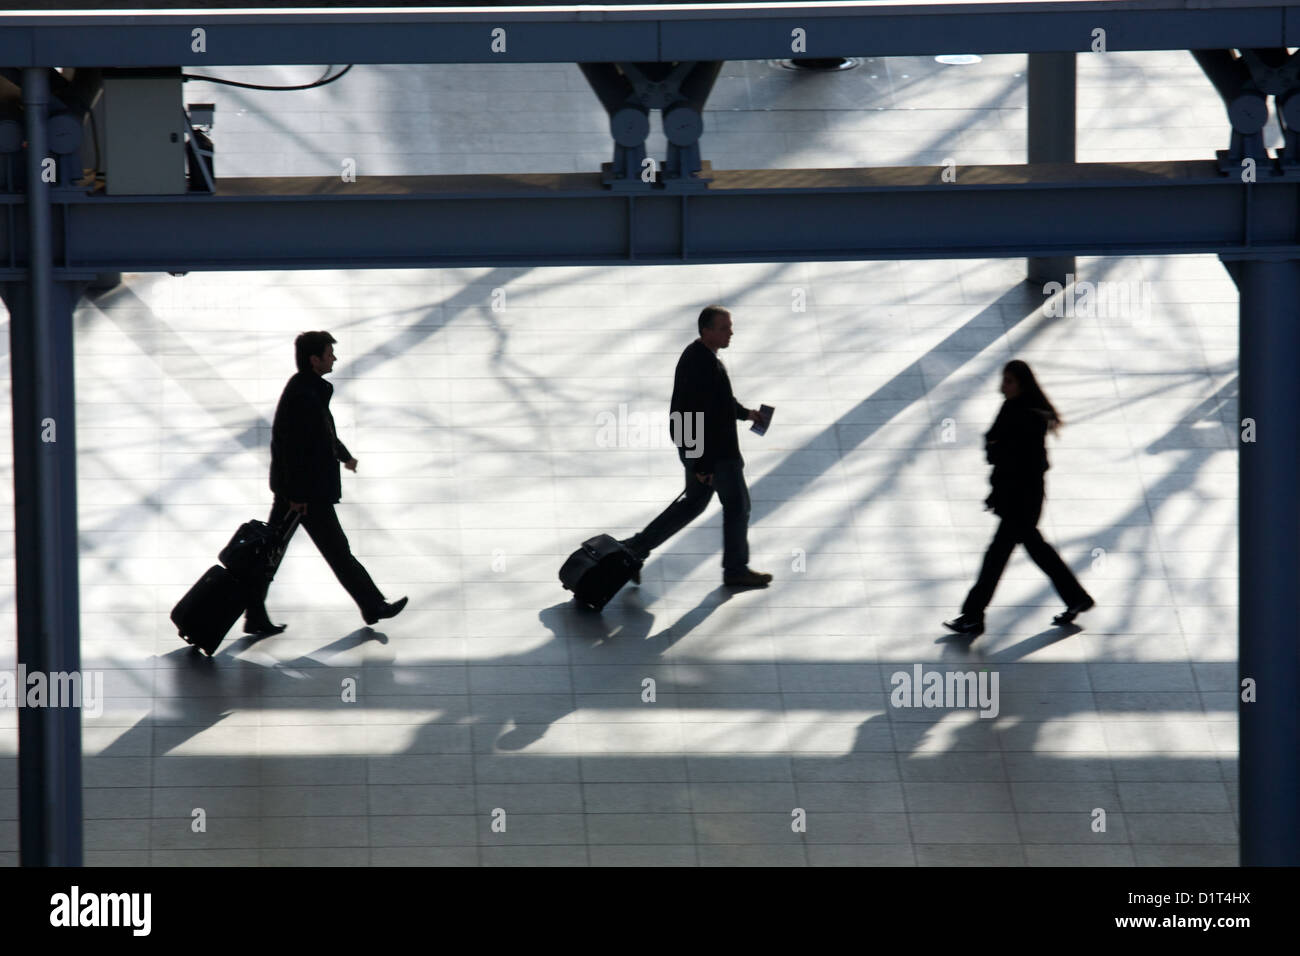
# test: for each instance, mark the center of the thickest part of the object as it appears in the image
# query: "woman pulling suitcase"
(1016, 448)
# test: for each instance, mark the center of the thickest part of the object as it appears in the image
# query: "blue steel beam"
(45, 517)
(1039, 210)
(646, 33)
(1268, 632)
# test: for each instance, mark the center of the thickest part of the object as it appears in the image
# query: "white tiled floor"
(482, 466)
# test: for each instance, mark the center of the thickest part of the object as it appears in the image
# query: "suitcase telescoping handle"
(275, 553)
(289, 524)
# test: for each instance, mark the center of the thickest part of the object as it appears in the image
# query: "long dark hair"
(1031, 393)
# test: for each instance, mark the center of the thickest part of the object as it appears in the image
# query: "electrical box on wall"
(144, 132)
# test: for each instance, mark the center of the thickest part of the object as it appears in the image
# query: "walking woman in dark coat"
(1016, 448)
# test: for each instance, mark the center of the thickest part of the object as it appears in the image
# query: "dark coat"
(1016, 447)
(700, 384)
(305, 451)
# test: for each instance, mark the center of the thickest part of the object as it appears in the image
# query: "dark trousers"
(1020, 527)
(322, 525)
(729, 483)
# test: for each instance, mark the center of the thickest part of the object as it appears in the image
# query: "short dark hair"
(309, 344)
(710, 313)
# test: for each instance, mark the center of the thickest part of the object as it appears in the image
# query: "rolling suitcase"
(210, 608)
(596, 571)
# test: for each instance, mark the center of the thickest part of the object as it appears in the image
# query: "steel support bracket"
(629, 91)
(1245, 82)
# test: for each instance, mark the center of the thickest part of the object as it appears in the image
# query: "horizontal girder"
(1044, 209)
(648, 33)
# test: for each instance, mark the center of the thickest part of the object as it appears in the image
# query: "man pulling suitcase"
(702, 391)
(305, 458)
(710, 455)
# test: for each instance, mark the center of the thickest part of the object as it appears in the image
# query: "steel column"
(45, 511)
(1269, 561)
(1051, 138)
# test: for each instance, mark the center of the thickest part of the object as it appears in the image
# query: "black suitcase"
(210, 608)
(596, 571)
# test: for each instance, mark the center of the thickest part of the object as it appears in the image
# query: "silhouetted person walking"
(305, 457)
(710, 455)
(1016, 448)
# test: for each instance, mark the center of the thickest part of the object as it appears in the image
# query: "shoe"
(747, 579)
(971, 624)
(1070, 613)
(263, 628)
(386, 610)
